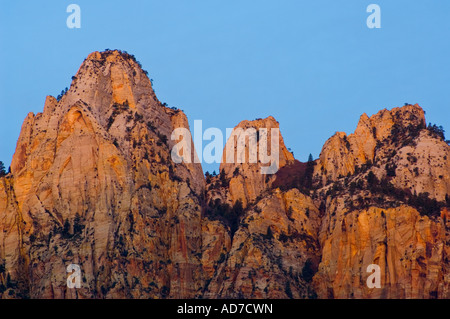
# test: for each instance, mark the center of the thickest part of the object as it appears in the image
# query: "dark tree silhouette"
(269, 234)
(436, 130)
(2, 169)
(223, 179)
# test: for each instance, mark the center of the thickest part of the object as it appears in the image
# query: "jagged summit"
(107, 53)
(109, 77)
(246, 180)
(100, 157)
(114, 56)
(342, 153)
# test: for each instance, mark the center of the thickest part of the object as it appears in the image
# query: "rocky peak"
(246, 179)
(122, 76)
(94, 173)
(384, 190)
(113, 97)
(112, 79)
(342, 153)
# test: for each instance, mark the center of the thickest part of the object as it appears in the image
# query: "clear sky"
(313, 65)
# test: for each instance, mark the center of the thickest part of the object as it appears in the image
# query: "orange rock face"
(410, 249)
(247, 180)
(93, 183)
(341, 153)
(385, 205)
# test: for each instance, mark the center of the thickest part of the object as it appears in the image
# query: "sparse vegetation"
(151, 126)
(287, 290)
(308, 271)
(126, 55)
(208, 177)
(422, 202)
(2, 169)
(436, 131)
(66, 229)
(223, 179)
(162, 139)
(269, 234)
(117, 109)
(296, 175)
(405, 135)
(138, 117)
(230, 216)
(390, 169)
(290, 212)
(63, 92)
(371, 179)
(77, 225)
(165, 291)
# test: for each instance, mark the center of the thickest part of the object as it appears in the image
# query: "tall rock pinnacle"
(246, 179)
(93, 183)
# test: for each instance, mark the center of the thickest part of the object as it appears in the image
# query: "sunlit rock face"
(93, 183)
(384, 190)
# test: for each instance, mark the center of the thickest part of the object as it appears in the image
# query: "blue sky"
(313, 65)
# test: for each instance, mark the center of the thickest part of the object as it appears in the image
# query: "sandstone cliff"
(385, 203)
(93, 183)
(274, 248)
(377, 196)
